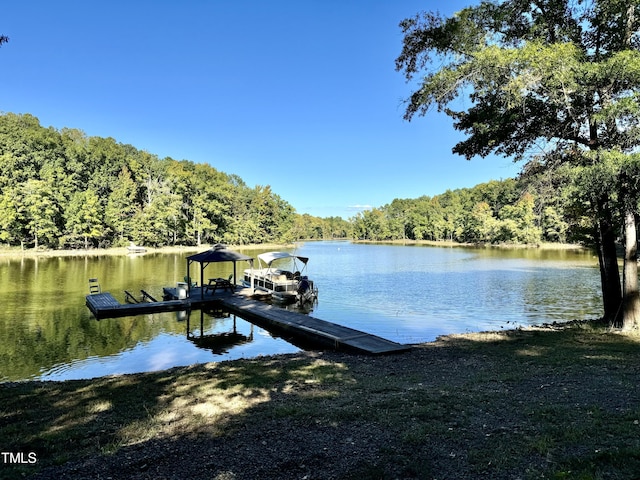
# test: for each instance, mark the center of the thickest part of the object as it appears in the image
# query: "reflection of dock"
(289, 323)
(217, 343)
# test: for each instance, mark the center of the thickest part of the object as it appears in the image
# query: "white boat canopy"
(270, 257)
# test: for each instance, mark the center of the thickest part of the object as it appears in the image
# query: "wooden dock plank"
(104, 305)
(102, 300)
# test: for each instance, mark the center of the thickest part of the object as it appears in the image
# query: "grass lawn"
(539, 403)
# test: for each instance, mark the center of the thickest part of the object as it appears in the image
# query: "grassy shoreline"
(557, 402)
(16, 252)
(507, 246)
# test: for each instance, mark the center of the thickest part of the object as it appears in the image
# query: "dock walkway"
(299, 325)
(330, 334)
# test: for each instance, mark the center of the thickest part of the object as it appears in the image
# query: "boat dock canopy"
(219, 253)
(269, 257)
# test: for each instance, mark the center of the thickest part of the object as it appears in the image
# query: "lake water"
(408, 294)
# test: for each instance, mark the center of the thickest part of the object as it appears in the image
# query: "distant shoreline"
(95, 252)
(446, 243)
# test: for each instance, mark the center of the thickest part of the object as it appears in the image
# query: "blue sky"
(300, 95)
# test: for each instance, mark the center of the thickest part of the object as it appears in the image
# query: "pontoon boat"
(286, 282)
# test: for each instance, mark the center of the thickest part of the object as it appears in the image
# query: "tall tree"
(40, 211)
(83, 218)
(520, 219)
(121, 207)
(551, 81)
(9, 218)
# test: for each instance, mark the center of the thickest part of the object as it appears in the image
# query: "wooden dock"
(287, 323)
(313, 329)
(104, 305)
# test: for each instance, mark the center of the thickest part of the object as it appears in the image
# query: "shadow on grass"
(60, 421)
(522, 404)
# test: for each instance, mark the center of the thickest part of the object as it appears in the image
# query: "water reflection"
(405, 294)
(221, 342)
(178, 339)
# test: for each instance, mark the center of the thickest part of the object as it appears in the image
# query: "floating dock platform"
(104, 305)
(284, 322)
(313, 329)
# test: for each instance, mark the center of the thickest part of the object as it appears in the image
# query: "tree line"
(512, 211)
(63, 189)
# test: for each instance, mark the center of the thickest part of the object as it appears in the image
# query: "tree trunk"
(631, 296)
(609, 271)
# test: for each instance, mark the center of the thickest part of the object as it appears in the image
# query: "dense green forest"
(532, 209)
(63, 189)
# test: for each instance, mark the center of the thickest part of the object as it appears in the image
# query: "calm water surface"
(404, 293)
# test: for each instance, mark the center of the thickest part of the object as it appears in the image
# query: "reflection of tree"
(63, 336)
(45, 323)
